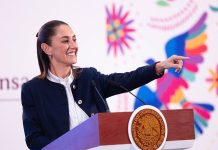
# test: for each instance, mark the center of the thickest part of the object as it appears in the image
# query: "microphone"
(125, 89)
(99, 94)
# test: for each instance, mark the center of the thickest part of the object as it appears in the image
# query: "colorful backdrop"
(118, 36)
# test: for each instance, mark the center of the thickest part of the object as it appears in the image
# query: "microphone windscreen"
(93, 83)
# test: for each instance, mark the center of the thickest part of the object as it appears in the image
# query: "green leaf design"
(214, 8)
(162, 3)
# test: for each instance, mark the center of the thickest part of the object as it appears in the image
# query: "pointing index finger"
(182, 58)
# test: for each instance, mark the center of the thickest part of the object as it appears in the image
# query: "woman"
(63, 96)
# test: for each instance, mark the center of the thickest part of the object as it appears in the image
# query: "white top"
(77, 115)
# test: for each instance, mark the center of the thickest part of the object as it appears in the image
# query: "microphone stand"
(99, 94)
(125, 89)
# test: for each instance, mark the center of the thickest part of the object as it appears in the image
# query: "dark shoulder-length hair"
(44, 36)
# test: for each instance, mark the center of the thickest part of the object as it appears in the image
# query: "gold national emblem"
(148, 129)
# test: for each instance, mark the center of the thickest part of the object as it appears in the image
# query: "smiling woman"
(58, 51)
(62, 96)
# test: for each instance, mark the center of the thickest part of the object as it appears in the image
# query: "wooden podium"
(110, 131)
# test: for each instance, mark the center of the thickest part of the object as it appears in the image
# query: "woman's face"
(63, 48)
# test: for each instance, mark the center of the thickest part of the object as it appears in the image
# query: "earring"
(50, 55)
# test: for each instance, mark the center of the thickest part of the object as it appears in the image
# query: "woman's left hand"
(172, 62)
